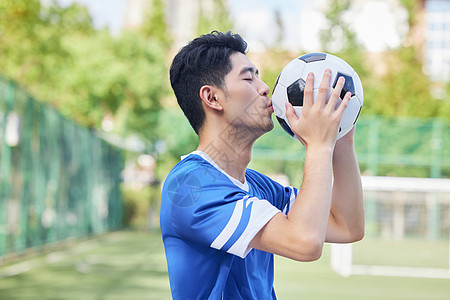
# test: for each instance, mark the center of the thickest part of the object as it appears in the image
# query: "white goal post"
(401, 193)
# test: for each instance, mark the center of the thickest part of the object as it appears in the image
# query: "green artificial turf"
(131, 265)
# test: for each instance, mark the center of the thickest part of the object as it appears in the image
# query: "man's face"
(247, 106)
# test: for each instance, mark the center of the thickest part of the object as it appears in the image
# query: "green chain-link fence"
(410, 147)
(406, 147)
(57, 180)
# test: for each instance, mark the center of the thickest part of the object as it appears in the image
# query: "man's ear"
(209, 96)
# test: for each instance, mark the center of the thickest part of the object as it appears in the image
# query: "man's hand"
(319, 122)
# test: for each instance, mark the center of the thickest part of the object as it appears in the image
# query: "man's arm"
(346, 222)
(300, 235)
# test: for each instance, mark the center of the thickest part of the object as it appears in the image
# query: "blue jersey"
(208, 219)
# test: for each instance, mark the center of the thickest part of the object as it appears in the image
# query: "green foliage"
(271, 62)
(86, 73)
(337, 27)
(139, 204)
(213, 15)
(128, 81)
(411, 7)
(445, 107)
(179, 137)
(339, 39)
(31, 51)
(404, 90)
(155, 26)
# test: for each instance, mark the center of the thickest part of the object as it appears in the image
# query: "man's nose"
(264, 89)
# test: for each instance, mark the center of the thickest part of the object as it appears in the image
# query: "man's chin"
(270, 125)
(267, 127)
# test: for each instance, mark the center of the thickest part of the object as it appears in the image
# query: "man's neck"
(230, 153)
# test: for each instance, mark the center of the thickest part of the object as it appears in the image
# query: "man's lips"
(270, 105)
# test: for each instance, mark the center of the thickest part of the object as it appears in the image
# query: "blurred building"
(437, 39)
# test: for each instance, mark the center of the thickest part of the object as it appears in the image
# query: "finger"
(308, 92)
(343, 105)
(323, 88)
(290, 113)
(336, 93)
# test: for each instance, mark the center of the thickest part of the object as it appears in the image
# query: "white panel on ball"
(349, 116)
(294, 71)
(278, 107)
(318, 68)
(358, 88)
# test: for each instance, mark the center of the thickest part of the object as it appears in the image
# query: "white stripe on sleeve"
(231, 226)
(291, 201)
(262, 212)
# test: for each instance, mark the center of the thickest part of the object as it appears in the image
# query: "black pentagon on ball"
(285, 126)
(312, 57)
(295, 92)
(349, 86)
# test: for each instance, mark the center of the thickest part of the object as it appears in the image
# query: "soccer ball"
(291, 83)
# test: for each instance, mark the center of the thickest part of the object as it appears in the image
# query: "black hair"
(203, 61)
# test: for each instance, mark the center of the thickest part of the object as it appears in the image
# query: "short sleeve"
(290, 194)
(282, 197)
(208, 209)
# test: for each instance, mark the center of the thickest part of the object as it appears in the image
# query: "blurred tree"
(338, 38)
(213, 15)
(439, 91)
(412, 7)
(402, 89)
(279, 29)
(122, 77)
(86, 73)
(445, 108)
(155, 25)
(275, 57)
(30, 41)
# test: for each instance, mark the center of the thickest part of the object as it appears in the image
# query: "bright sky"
(378, 23)
(255, 20)
(105, 12)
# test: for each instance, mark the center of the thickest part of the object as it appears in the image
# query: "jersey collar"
(206, 157)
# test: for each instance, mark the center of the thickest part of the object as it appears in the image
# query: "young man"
(221, 223)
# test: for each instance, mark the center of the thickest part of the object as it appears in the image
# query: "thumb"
(290, 113)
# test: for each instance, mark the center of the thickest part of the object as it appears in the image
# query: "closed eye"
(250, 72)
